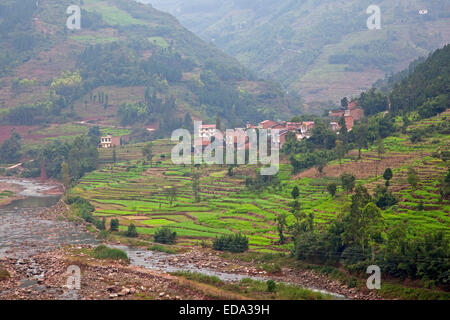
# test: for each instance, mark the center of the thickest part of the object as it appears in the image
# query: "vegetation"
(10, 149)
(104, 252)
(233, 243)
(165, 236)
(317, 56)
(256, 289)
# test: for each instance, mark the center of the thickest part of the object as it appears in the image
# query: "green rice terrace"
(136, 192)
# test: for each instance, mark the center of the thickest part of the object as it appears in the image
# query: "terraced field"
(139, 193)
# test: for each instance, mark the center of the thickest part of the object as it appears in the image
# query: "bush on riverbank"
(103, 252)
(131, 232)
(233, 243)
(165, 236)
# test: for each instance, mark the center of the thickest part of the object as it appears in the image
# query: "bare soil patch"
(361, 169)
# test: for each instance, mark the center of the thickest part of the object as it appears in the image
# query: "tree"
(281, 225)
(218, 123)
(340, 150)
(103, 224)
(165, 236)
(321, 163)
(387, 175)
(360, 132)
(114, 155)
(196, 186)
(363, 222)
(188, 123)
(114, 225)
(171, 194)
(303, 222)
(68, 87)
(344, 102)
(332, 188)
(295, 193)
(271, 286)
(131, 232)
(83, 157)
(233, 243)
(65, 175)
(348, 182)
(413, 178)
(230, 171)
(106, 101)
(147, 152)
(10, 150)
(384, 198)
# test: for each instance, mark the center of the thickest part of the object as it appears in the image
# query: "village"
(302, 130)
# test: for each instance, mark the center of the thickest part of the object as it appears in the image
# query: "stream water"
(24, 232)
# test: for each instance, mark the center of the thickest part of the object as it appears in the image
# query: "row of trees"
(325, 145)
(358, 238)
(70, 161)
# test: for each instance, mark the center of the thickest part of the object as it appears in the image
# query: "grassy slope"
(292, 41)
(136, 193)
(122, 20)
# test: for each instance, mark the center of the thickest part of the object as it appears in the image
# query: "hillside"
(381, 196)
(321, 49)
(125, 54)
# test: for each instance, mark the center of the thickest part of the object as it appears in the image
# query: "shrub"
(103, 234)
(104, 252)
(352, 283)
(413, 178)
(420, 206)
(80, 202)
(331, 188)
(114, 225)
(160, 248)
(271, 286)
(385, 198)
(131, 232)
(165, 236)
(233, 243)
(271, 267)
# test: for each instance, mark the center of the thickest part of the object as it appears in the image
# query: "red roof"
(266, 124)
(208, 126)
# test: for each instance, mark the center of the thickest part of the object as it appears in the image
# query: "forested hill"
(422, 94)
(129, 63)
(322, 48)
(424, 87)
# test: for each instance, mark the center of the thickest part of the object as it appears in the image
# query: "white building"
(207, 131)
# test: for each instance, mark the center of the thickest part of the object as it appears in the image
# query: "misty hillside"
(322, 49)
(129, 64)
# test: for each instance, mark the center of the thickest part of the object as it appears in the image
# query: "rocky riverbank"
(201, 258)
(45, 276)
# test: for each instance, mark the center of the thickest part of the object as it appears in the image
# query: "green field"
(138, 193)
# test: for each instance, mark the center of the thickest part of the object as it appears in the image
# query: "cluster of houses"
(301, 130)
(351, 114)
